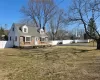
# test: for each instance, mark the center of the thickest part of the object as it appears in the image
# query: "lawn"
(54, 63)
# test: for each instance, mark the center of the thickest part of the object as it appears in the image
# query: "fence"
(82, 41)
(67, 41)
(6, 44)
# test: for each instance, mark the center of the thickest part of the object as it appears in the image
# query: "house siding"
(16, 43)
(13, 34)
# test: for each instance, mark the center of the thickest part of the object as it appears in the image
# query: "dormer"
(41, 31)
(25, 29)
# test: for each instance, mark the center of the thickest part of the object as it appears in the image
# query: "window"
(13, 29)
(16, 38)
(27, 39)
(25, 30)
(42, 39)
(10, 38)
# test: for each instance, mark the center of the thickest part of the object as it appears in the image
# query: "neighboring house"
(24, 35)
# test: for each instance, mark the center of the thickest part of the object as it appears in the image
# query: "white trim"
(26, 30)
(25, 27)
(28, 37)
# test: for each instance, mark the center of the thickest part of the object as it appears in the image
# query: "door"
(21, 40)
(36, 40)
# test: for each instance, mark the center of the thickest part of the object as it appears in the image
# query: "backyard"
(53, 63)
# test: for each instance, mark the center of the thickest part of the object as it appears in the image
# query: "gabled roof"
(43, 35)
(32, 31)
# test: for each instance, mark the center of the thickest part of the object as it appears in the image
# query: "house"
(25, 35)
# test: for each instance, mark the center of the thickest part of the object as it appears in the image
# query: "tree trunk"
(53, 37)
(98, 44)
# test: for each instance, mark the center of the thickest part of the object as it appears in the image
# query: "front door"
(22, 40)
(36, 40)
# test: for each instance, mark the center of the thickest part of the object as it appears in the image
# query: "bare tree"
(56, 25)
(78, 33)
(81, 11)
(27, 21)
(62, 35)
(40, 11)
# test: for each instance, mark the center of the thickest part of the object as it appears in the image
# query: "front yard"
(54, 63)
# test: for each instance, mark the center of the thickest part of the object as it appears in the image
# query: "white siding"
(13, 34)
(16, 43)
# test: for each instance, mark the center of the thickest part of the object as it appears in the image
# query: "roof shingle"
(32, 31)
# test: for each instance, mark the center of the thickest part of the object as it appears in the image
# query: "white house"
(25, 35)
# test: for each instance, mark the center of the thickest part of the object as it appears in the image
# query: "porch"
(31, 41)
(27, 40)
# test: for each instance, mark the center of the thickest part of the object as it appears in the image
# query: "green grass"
(55, 63)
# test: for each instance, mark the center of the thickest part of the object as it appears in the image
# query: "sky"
(10, 10)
